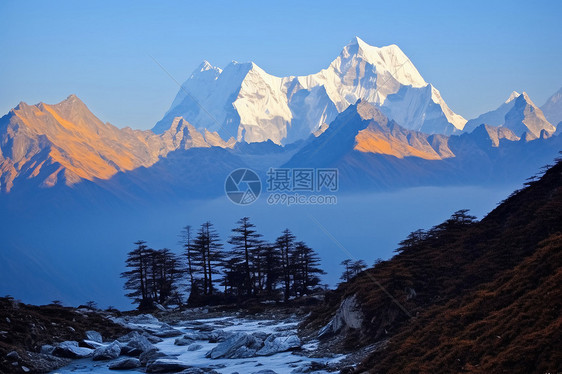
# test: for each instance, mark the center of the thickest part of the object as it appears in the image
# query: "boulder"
(128, 337)
(90, 344)
(13, 355)
(166, 365)
(135, 336)
(184, 340)
(243, 352)
(144, 319)
(261, 335)
(230, 347)
(275, 344)
(348, 316)
(94, 336)
(137, 345)
(218, 336)
(151, 355)
(47, 349)
(194, 347)
(168, 333)
(151, 338)
(70, 349)
(125, 364)
(108, 352)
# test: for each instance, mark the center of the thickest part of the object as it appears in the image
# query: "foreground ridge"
(484, 296)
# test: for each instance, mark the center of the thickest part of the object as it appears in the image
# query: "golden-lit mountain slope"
(387, 138)
(66, 142)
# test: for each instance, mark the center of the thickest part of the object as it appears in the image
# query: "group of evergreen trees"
(154, 275)
(352, 268)
(442, 233)
(250, 268)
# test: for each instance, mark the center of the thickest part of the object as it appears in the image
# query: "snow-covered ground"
(201, 331)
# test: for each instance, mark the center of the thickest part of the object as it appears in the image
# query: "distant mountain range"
(371, 151)
(245, 102)
(370, 113)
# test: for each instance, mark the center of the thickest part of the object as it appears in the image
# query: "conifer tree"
(306, 269)
(245, 252)
(193, 257)
(209, 246)
(271, 269)
(137, 277)
(286, 244)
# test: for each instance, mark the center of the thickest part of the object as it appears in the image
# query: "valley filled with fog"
(64, 254)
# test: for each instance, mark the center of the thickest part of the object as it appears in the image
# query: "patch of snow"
(281, 333)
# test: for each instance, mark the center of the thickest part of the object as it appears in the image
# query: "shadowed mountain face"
(520, 115)
(66, 145)
(467, 296)
(372, 152)
(552, 109)
(44, 145)
(526, 117)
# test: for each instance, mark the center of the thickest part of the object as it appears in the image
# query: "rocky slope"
(25, 329)
(463, 296)
(254, 338)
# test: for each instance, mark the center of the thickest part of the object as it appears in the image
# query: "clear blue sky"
(474, 52)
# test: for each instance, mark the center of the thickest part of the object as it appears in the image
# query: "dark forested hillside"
(466, 295)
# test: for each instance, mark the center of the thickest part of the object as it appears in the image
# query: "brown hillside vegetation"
(480, 296)
(26, 328)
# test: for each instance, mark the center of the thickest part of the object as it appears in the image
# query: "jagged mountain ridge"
(371, 151)
(65, 143)
(526, 117)
(251, 105)
(519, 114)
(494, 117)
(552, 108)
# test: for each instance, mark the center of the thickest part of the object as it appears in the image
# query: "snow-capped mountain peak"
(246, 102)
(526, 117)
(206, 65)
(389, 59)
(514, 95)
